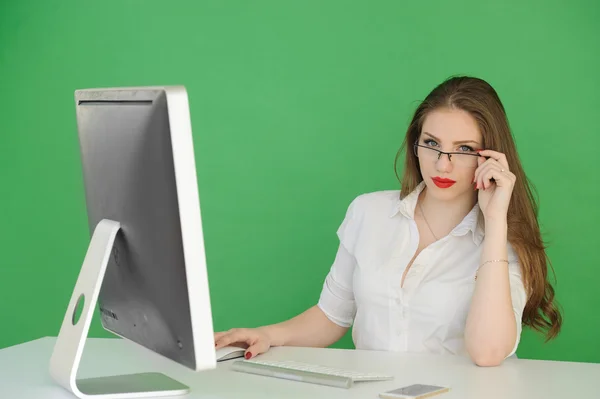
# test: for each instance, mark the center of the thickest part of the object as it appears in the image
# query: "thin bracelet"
(489, 261)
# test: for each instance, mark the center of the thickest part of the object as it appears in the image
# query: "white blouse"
(378, 238)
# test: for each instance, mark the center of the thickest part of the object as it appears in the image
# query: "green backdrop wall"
(297, 107)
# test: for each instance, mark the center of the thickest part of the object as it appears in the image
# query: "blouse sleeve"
(337, 296)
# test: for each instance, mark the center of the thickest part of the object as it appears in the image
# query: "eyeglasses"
(464, 159)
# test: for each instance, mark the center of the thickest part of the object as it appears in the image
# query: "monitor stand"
(68, 348)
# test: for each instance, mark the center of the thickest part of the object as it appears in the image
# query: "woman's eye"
(466, 148)
(430, 142)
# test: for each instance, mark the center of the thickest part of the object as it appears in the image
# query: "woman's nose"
(444, 163)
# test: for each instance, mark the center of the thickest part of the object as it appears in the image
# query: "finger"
(483, 180)
(480, 162)
(491, 175)
(259, 347)
(498, 156)
(500, 177)
(238, 342)
(232, 338)
(487, 178)
(219, 334)
(479, 173)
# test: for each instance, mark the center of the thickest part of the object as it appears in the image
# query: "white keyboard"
(305, 372)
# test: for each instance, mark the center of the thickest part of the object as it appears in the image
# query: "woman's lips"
(442, 182)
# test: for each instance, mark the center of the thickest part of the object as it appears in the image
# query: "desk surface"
(24, 374)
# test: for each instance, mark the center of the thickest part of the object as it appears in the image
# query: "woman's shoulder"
(367, 216)
(375, 202)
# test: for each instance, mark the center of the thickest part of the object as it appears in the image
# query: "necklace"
(426, 222)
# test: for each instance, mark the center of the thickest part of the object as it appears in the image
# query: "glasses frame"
(440, 152)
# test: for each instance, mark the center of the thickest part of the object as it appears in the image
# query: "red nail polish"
(248, 355)
(479, 150)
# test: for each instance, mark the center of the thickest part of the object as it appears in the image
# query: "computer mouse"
(229, 352)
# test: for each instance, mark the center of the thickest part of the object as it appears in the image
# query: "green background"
(297, 107)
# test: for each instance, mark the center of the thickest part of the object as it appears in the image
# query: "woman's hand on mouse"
(255, 340)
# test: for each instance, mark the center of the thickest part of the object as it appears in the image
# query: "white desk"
(24, 374)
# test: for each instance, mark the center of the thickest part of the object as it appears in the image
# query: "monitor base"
(64, 362)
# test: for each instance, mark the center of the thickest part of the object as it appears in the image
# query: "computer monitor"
(145, 267)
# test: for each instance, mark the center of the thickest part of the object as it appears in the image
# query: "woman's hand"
(255, 340)
(494, 196)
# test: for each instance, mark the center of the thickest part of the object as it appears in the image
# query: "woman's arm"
(310, 328)
(491, 331)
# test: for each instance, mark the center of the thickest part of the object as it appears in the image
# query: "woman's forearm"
(490, 332)
(310, 328)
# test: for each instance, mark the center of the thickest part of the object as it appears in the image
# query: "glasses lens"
(427, 153)
(466, 160)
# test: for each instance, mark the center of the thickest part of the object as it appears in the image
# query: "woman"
(452, 263)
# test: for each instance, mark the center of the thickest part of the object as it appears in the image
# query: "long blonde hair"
(477, 97)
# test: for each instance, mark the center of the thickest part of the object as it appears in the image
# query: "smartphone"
(416, 391)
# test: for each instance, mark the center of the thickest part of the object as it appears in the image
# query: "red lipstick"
(442, 182)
